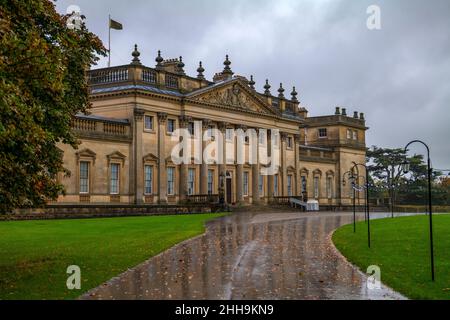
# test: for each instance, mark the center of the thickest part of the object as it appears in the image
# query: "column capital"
(138, 113)
(162, 117)
(296, 137)
(241, 126)
(223, 125)
(184, 120)
(206, 123)
(283, 136)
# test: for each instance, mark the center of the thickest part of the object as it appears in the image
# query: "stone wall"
(99, 211)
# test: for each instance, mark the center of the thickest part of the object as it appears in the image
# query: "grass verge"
(401, 248)
(34, 255)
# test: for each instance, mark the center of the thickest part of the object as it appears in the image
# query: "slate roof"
(286, 114)
(138, 87)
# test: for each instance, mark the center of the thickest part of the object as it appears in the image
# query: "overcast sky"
(399, 76)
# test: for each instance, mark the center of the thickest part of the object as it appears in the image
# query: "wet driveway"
(250, 256)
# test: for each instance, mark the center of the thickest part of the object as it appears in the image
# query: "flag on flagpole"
(115, 25)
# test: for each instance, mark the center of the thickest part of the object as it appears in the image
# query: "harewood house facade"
(126, 141)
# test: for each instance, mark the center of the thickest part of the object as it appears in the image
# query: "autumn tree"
(42, 86)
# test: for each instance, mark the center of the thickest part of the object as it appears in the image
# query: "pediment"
(317, 172)
(290, 169)
(116, 155)
(86, 153)
(169, 160)
(150, 157)
(233, 93)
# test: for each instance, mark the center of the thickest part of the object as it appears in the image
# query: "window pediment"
(290, 169)
(150, 157)
(86, 154)
(116, 156)
(304, 171)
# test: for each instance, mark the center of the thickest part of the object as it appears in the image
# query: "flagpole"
(109, 40)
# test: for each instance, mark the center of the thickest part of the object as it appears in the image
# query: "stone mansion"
(126, 142)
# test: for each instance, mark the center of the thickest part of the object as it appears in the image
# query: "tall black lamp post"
(352, 181)
(355, 166)
(430, 206)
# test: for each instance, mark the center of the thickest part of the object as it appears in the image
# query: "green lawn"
(400, 247)
(34, 255)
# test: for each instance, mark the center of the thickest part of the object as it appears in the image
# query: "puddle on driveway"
(249, 256)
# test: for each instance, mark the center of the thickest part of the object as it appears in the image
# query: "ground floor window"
(246, 183)
(329, 187)
(170, 180)
(84, 177)
(303, 184)
(210, 181)
(191, 181)
(316, 187)
(289, 185)
(148, 176)
(261, 185)
(275, 185)
(114, 186)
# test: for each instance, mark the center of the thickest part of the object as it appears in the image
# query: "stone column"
(270, 178)
(239, 172)
(223, 161)
(182, 186)
(138, 149)
(283, 164)
(339, 171)
(297, 164)
(162, 179)
(255, 173)
(204, 166)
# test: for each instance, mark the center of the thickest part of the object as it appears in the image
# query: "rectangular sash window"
(210, 181)
(170, 181)
(275, 185)
(148, 172)
(245, 184)
(114, 178)
(191, 181)
(84, 177)
(289, 185)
